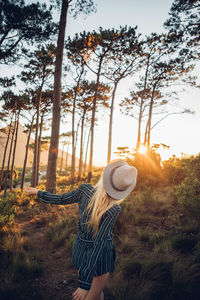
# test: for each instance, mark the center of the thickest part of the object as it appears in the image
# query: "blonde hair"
(98, 205)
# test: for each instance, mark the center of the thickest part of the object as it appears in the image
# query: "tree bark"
(14, 151)
(66, 159)
(9, 157)
(35, 159)
(93, 121)
(139, 125)
(73, 125)
(53, 150)
(39, 149)
(26, 154)
(5, 151)
(61, 163)
(81, 148)
(110, 123)
(140, 116)
(146, 133)
(86, 152)
(150, 117)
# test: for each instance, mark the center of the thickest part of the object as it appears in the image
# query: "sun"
(143, 149)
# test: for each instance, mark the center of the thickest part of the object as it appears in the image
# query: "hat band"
(111, 181)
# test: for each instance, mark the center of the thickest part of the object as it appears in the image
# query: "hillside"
(156, 239)
(20, 150)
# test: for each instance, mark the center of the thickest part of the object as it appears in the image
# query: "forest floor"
(59, 279)
(144, 232)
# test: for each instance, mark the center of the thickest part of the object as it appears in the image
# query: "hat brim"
(108, 185)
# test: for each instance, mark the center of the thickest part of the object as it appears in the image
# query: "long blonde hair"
(98, 205)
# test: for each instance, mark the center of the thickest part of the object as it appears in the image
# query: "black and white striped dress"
(92, 256)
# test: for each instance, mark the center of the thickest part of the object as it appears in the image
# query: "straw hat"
(119, 179)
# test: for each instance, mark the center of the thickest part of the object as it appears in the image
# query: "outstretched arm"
(31, 190)
(63, 199)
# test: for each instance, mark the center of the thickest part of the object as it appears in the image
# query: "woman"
(93, 251)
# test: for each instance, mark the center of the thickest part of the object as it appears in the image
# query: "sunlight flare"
(143, 149)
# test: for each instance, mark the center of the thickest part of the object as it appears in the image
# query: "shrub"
(126, 245)
(126, 217)
(186, 282)
(142, 280)
(147, 197)
(193, 166)
(60, 231)
(7, 212)
(7, 173)
(183, 243)
(156, 237)
(20, 265)
(144, 235)
(174, 170)
(188, 194)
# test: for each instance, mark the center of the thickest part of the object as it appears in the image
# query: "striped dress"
(91, 256)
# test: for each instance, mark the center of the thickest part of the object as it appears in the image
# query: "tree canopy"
(20, 23)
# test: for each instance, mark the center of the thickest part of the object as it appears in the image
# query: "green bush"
(7, 173)
(7, 212)
(188, 194)
(193, 166)
(174, 170)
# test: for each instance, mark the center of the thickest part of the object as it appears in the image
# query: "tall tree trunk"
(142, 101)
(86, 152)
(93, 121)
(35, 159)
(73, 125)
(5, 150)
(139, 125)
(150, 117)
(76, 139)
(67, 154)
(81, 148)
(53, 150)
(61, 163)
(39, 149)
(75, 146)
(14, 151)
(9, 156)
(34, 164)
(26, 154)
(146, 133)
(111, 123)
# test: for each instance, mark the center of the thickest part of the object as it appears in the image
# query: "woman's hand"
(80, 294)
(31, 190)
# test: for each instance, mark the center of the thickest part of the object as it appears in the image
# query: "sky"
(180, 132)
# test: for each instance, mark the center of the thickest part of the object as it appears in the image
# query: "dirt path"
(59, 278)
